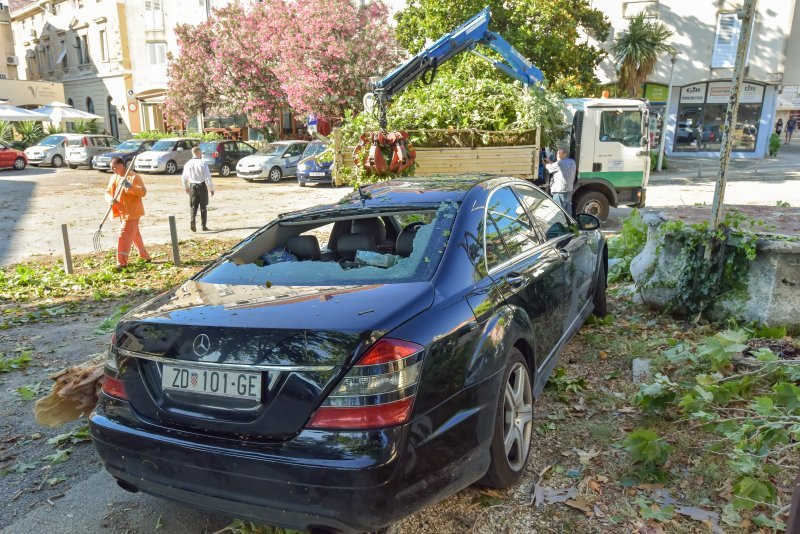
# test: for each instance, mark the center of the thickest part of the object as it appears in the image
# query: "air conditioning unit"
(12, 60)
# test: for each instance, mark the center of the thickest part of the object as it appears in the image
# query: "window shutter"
(728, 29)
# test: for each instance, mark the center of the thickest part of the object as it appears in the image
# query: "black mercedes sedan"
(349, 364)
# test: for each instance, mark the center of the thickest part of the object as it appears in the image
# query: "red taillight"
(362, 417)
(378, 392)
(85, 141)
(114, 387)
(389, 350)
(216, 154)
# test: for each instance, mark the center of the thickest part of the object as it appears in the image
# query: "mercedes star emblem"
(201, 345)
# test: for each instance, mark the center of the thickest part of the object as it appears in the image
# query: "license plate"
(316, 174)
(236, 384)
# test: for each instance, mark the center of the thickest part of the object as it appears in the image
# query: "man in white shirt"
(562, 179)
(197, 182)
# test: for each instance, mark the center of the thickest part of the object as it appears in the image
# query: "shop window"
(621, 127)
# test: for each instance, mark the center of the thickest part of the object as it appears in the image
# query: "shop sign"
(693, 94)
(720, 93)
(655, 93)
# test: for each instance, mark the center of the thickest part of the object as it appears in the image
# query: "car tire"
(594, 203)
(171, 167)
(275, 175)
(301, 184)
(508, 460)
(73, 166)
(600, 298)
(19, 164)
(225, 170)
(57, 161)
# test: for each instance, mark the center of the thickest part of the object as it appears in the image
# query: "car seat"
(405, 240)
(304, 247)
(373, 226)
(349, 244)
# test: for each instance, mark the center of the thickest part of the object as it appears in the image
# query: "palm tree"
(30, 132)
(636, 51)
(6, 131)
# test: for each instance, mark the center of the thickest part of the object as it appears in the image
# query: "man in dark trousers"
(197, 182)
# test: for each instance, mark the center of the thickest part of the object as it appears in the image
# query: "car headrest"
(405, 241)
(348, 244)
(373, 226)
(304, 247)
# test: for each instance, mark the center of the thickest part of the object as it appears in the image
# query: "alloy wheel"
(171, 167)
(517, 417)
(225, 170)
(57, 161)
(275, 175)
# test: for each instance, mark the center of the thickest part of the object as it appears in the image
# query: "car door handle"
(564, 254)
(515, 279)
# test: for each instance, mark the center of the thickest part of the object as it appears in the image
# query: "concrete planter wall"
(772, 297)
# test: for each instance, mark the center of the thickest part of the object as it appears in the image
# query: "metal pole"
(173, 233)
(67, 254)
(747, 15)
(663, 138)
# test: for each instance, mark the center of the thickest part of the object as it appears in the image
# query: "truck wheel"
(593, 203)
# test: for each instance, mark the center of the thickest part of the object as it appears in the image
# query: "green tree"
(636, 52)
(29, 132)
(547, 32)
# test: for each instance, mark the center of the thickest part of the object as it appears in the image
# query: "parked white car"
(48, 151)
(167, 155)
(81, 150)
(275, 161)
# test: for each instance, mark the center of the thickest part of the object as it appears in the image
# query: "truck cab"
(609, 139)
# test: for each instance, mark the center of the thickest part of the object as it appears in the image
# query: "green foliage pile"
(654, 161)
(735, 388)
(774, 144)
(626, 246)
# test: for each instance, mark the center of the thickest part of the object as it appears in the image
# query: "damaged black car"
(349, 364)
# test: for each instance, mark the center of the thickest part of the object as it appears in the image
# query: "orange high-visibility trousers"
(129, 235)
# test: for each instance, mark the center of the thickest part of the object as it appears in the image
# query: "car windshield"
(51, 140)
(129, 145)
(314, 148)
(163, 146)
(286, 252)
(272, 149)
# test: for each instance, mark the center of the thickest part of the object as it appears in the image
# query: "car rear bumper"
(80, 161)
(318, 479)
(306, 178)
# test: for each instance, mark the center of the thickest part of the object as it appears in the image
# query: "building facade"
(705, 34)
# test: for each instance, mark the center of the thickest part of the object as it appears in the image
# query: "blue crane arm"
(464, 38)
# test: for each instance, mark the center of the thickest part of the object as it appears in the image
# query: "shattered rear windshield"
(412, 254)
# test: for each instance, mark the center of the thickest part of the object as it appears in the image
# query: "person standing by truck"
(562, 179)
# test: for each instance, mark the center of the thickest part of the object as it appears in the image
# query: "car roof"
(407, 193)
(287, 142)
(178, 139)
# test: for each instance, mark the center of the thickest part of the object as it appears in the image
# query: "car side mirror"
(587, 221)
(287, 155)
(179, 149)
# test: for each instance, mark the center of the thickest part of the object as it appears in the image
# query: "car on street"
(48, 151)
(312, 171)
(274, 162)
(166, 155)
(222, 156)
(11, 158)
(125, 150)
(83, 148)
(351, 363)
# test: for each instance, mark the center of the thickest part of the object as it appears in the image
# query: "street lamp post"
(663, 137)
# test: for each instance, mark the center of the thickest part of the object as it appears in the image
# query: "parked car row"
(276, 161)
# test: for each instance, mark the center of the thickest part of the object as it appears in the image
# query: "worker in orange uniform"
(129, 208)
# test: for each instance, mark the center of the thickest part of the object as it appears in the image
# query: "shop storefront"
(698, 113)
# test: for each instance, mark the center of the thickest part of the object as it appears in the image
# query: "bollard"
(700, 170)
(173, 233)
(67, 254)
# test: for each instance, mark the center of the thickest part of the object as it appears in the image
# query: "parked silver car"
(82, 149)
(275, 161)
(48, 151)
(167, 155)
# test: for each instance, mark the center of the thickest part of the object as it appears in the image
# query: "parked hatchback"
(273, 162)
(49, 151)
(222, 156)
(312, 171)
(349, 364)
(125, 151)
(166, 155)
(12, 158)
(82, 149)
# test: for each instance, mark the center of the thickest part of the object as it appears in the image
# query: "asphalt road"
(34, 203)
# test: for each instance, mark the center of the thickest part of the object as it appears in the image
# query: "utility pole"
(747, 16)
(663, 137)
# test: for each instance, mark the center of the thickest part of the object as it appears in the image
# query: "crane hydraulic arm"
(423, 66)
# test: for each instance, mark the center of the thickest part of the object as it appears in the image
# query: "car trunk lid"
(290, 345)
